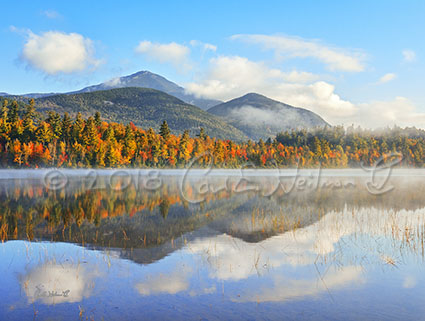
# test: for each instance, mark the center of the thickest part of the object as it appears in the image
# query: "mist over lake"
(211, 245)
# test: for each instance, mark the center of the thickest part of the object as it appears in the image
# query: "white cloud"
(51, 14)
(70, 282)
(228, 258)
(251, 115)
(208, 46)
(288, 289)
(293, 47)
(231, 258)
(21, 31)
(164, 283)
(300, 76)
(233, 76)
(113, 82)
(387, 78)
(409, 55)
(204, 45)
(400, 111)
(230, 76)
(56, 52)
(409, 282)
(174, 53)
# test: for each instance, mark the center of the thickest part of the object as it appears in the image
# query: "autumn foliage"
(28, 139)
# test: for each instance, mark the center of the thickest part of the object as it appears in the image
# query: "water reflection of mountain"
(147, 224)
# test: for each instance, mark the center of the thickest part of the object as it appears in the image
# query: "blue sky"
(351, 61)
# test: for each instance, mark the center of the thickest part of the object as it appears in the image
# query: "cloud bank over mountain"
(232, 76)
(313, 84)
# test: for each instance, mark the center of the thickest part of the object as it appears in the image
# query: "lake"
(212, 245)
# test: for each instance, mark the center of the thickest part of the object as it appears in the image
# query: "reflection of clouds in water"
(172, 283)
(175, 282)
(203, 291)
(234, 259)
(409, 282)
(287, 289)
(52, 283)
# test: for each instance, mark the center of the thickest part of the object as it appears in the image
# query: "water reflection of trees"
(141, 218)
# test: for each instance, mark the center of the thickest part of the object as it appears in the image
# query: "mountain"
(142, 106)
(146, 79)
(39, 95)
(261, 117)
(143, 79)
(24, 98)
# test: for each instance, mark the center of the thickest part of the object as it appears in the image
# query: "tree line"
(32, 139)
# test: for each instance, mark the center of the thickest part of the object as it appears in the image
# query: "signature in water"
(151, 180)
(375, 185)
(40, 292)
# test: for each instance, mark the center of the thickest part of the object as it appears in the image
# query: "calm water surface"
(141, 245)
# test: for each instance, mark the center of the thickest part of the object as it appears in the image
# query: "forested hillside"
(144, 107)
(61, 141)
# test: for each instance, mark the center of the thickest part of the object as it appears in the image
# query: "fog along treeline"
(29, 139)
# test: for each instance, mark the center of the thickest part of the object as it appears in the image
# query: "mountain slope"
(261, 117)
(146, 79)
(144, 107)
(25, 97)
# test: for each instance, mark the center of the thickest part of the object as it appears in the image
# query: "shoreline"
(285, 172)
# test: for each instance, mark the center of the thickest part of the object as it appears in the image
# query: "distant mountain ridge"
(142, 79)
(24, 97)
(144, 107)
(261, 117)
(147, 79)
(251, 116)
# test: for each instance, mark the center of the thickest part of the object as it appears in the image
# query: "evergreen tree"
(317, 148)
(28, 122)
(44, 133)
(13, 113)
(66, 128)
(164, 131)
(97, 119)
(218, 152)
(185, 137)
(262, 145)
(183, 150)
(55, 121)
(90, 136)
(111, 156)
(109, 135)
(16, 128)
(198, 151)
(129, 142)
(202, 134)
(4, 111)
(90, 140)
(4, 127)
(77, 128)
(83, 143)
